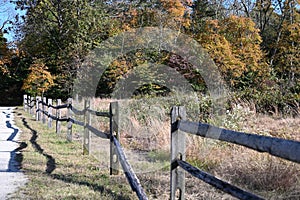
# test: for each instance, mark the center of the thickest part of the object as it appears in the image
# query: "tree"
(61, 32)
(39, 79)
(4, 52)
(12, 73)
(286, 61)
(176, 12)
(234, 44)
(201, 11)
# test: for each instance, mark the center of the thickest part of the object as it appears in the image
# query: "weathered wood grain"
(287, 149)
(129, 173)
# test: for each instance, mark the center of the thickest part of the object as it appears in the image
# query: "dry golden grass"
(265, 175)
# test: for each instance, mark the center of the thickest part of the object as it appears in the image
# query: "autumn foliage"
(254, 44)
(234, 44)
(39, 79)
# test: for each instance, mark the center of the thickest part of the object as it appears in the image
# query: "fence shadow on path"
(51, 165)
(13, 135)
(16, 158)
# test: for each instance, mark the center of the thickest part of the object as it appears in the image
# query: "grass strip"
(56, 168)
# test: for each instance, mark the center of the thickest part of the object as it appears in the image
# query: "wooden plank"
(129, 173)
(287, 149)
(217, 183)
(97, 113)
(59, 106)
(76, 111)
(98, 133)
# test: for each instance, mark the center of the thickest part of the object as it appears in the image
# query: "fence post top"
(70, 100)
(178, 112)
(113, 107)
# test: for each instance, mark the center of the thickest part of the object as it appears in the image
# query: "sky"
(7, 12)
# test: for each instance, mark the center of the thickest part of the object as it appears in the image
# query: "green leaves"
(61, 32)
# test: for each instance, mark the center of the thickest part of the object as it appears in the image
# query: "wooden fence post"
(28, 104)
(114, 132)
(70, 123)
(177, 152)
(25, 102)
(38, 112)
(87, 132)
(41, 109)
(58, 116)
(49, 113)
(44, 109)
(31, 105)
(76, 99)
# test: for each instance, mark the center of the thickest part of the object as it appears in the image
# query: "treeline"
(255, 45)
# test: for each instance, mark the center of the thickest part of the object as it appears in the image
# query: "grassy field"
(58, 170)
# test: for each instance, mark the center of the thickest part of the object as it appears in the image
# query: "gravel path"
(10, 176)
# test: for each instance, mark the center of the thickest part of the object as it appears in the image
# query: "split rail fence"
(287, 149)
(43, 109)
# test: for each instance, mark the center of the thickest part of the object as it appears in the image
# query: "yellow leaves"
(4, 62)
(117, 69)
(3, 68)
(176, 11)
(294, 30)
(39, 79)
(287, 57)
(237, 29)
(234, 45)
(173, 14)
(174, 7)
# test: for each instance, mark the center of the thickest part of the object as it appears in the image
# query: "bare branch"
(3, 24)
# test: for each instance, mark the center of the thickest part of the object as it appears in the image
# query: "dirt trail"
(10, 176)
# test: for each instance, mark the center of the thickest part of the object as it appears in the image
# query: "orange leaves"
(234, 44)
(4, 54)
(117, 69)
(175, 8)
(176, 11)
(240, 30)
(4, 62)
(3, 67)
(39, 79)
(287, 57)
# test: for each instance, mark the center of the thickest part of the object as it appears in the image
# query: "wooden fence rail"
(44, 109)
(287, 149)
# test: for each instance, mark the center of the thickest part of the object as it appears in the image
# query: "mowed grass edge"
(56, 168)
